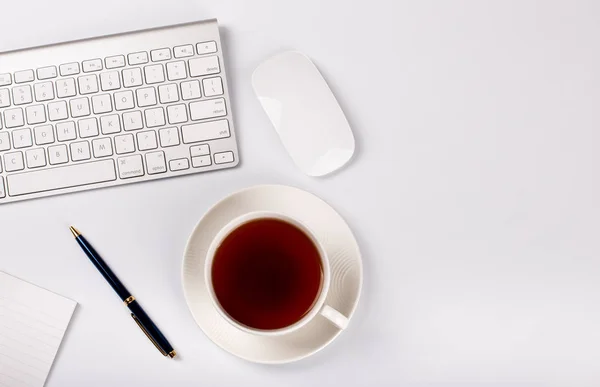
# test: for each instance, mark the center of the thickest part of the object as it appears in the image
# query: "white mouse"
(305, 113)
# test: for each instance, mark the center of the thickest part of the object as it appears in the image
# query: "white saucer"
(330, 229)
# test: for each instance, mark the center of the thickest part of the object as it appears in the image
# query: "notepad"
(33, 322)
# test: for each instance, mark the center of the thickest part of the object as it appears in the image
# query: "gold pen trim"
(172, 354)
(148, 336)
(75, 232)
(129, 300)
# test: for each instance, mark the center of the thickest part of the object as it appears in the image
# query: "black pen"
(138, 314)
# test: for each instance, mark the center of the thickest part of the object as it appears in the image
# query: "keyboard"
(114, 110)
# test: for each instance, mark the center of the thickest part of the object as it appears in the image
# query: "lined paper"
(33, 322)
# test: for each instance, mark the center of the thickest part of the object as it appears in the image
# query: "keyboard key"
(22, 95)
(154, 74)
(201, 161)
(168, 137)
(57, 111)
(43, 134)
(2, 189)
(88, 128)
(147, 140)
(4, 142)
(88, 84)
(65, 131)
(130, 166)
(69, 69)
(80, 151)
(179, 164)
(137, 58)
(24, 76)
(110, 124)
(224, 157)
(102, 103)
(206, 47)
(102, 147)
(58, 154)
(146, 96)
(13, 162)
(4, 98)
(36, 114)
(124, 100)
(66, 88)
(36, 158)
(13, 118)
(92, 65)
(204, 66)
(212, 86)
(124, 144)
(212, 108)
(63, 177)
(133, 120)
(177, 114)
(156, 163)
(190, 90)
(132, 77)
(43, 91)
(47, 72)
(155, 117)
(80, 107)
(176, 70)
(205, 131)
(183, 51)
(110, 81)
(199, 150)
(22, 138)
(113, 62)
(5, 79)
(160, 55)
(168, 93)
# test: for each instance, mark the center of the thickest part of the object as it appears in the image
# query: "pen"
(138, 314)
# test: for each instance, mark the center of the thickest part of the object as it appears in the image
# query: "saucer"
(335, 236)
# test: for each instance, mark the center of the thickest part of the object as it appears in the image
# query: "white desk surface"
(475, 195)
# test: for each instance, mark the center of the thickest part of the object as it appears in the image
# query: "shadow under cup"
(267, 274)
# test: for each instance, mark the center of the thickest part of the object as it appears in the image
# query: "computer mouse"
(304, 112)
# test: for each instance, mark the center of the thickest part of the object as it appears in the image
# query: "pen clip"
(148, 335)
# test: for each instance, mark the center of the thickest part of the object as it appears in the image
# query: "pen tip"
(172, 354)
(75, 232)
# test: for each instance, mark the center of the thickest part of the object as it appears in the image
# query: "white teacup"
(319, 307)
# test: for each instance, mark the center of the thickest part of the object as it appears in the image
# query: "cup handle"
(338, 319)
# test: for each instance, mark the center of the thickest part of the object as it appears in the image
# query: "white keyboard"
(114, 110)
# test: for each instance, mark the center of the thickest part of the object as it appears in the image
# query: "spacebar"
(62, 177)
